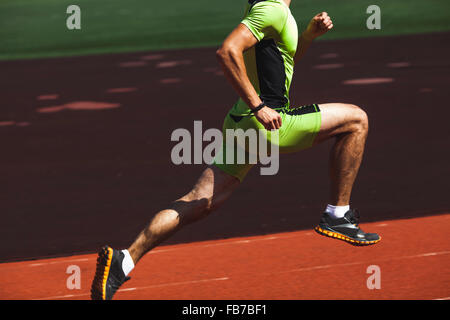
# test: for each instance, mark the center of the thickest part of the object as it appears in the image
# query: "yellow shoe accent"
(343, 237)
(98, 287)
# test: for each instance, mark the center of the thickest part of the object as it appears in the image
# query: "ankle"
(127, 263)
(337, 211)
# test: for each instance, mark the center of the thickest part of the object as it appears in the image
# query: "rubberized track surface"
(293, 265)
(86, 157)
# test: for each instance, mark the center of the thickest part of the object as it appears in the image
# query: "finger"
(274, 124)
(324, 24)
(319, 16)
(279, 122)
(326, 21)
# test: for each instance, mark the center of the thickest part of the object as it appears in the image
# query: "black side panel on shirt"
(271, 73)
(253, 2)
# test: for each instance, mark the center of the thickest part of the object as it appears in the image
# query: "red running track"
(413, 256)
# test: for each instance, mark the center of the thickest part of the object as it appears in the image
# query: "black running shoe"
(109, 274)
(346, 229)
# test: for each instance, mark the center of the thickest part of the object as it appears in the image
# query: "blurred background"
(35, 29)
(86, 117)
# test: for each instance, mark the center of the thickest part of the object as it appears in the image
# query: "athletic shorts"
(298, 131)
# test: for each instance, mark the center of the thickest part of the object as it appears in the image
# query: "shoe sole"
(340, 236)
(98, 288)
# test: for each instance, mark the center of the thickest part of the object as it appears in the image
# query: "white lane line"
(62, 297)
(320, 267)
(161, 250)
(56, 262)
(236, 242)
(422, 255)
(249, 240)
(174, 284)
(127, 289)
(425, 254)
(139, 288)
(151, 252)
(429, 254)
(172, 249)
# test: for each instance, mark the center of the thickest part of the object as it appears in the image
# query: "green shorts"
(298, 131)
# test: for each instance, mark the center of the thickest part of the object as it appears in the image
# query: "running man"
(258, 59)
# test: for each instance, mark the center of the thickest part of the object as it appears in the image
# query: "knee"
(193, 207)
(361, 120)
(202, 201)
(205, 205)
(200, 208)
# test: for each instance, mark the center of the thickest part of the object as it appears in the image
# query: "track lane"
(293, 265)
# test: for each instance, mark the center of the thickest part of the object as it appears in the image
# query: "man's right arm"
(231, 58)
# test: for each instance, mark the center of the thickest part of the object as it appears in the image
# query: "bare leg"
(348, 124)
(212, 188)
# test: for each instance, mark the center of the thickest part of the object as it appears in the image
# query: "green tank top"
(270, 63)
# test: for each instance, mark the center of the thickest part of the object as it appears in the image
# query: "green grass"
(37, 28)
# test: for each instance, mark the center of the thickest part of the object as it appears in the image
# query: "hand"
(318, 26)
(269, 118)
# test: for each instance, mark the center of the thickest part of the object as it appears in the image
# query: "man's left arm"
(319, 25)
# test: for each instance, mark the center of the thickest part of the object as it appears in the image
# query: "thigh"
(299, 129)
(233, 167)
(338, 118)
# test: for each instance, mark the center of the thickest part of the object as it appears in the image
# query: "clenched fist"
(269, 118)
(318, 26)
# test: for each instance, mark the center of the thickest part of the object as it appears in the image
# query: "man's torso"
(270, 63)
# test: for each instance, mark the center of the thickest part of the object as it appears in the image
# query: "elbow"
(221, 54)
(225, 53)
